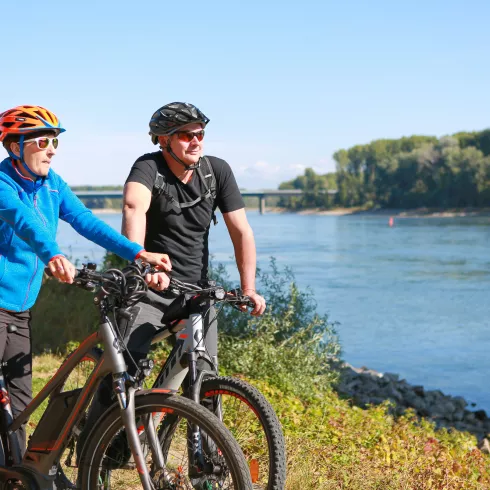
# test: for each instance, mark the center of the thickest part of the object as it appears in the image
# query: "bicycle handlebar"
(130, 282)
(212, 291)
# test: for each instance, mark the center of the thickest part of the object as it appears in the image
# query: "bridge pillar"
(262, 204)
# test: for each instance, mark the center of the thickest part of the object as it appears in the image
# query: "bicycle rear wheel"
(107, 463)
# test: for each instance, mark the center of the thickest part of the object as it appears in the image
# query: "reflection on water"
(411, 299)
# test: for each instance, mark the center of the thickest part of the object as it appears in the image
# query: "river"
(411, 299)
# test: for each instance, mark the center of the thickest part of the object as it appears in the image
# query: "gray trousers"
(147, 316)
(147, 322)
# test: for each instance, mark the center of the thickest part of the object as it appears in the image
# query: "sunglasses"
(44, 141)
(188, 136)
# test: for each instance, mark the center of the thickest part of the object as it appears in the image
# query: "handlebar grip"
(48, 272)
(248, 302)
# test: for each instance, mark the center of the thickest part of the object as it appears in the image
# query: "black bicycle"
(124, 448)
(243, 409)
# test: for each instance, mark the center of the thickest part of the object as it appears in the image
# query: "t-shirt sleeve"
(228, 196)
(143, 171)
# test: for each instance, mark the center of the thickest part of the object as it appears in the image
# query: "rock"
(366, 386)
(418, 404)
(481, 415)
(391, 377)
(484, 446)
(460, 402)
(362, 400)
(458, 415)
(391, 392)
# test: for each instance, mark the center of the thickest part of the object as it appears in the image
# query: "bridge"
(260, 194)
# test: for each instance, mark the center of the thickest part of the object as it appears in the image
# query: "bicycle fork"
(125, 397)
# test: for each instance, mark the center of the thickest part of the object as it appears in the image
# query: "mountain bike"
(242, 408)
(134, 422)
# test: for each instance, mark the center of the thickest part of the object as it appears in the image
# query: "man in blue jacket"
(32, 200)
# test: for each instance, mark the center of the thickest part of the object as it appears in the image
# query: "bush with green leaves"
(291, 345)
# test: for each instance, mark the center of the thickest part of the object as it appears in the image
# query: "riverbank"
(397, 213)
(366, 386)
(357, 211)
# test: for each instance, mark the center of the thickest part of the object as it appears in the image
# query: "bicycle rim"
(219, 463)
(254, 425)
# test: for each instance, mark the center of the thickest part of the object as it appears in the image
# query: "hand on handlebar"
(62, 269)
(158, 281)
(160, 261)
(257, 300)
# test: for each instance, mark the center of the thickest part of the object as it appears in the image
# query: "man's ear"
(163, 141)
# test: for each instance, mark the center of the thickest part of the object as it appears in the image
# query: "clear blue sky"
(285, 84)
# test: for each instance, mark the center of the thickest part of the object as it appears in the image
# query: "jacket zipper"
(37, 209)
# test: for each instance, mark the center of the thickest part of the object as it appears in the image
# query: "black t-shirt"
(182, 233)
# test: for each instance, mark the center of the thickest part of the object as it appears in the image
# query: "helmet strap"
(21, 159)
(178, 160)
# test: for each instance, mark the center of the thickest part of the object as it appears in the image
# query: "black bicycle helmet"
(171, 117)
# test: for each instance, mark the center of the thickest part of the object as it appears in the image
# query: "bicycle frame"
(189, 347)
(37, 469)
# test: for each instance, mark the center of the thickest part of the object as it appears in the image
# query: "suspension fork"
(125, 395)
(194, 432)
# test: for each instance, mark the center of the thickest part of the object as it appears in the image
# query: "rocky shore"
(366, 386)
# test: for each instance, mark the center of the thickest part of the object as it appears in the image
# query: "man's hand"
(258, 300)
(161, 261)
(158, 281)
(62, 269)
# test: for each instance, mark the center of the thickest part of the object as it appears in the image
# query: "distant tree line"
(418, 171)
(100, 202)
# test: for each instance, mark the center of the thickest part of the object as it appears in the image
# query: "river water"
(411, 299)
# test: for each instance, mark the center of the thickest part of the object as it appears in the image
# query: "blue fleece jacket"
(29, 213)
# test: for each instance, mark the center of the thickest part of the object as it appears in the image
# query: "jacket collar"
(27, 183)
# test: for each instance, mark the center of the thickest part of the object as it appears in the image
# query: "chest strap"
(160, 188)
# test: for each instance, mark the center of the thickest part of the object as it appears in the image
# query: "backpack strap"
(160, 188)
(211, 188)
(159, 184)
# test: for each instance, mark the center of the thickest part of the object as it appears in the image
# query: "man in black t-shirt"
(174, 216)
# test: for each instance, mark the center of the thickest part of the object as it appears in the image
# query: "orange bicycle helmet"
(26, 119)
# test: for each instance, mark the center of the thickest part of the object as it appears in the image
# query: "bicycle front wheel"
(107, 462)
(254, 425)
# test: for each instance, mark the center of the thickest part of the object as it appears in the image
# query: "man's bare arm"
(244, 244)
(136, 202)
